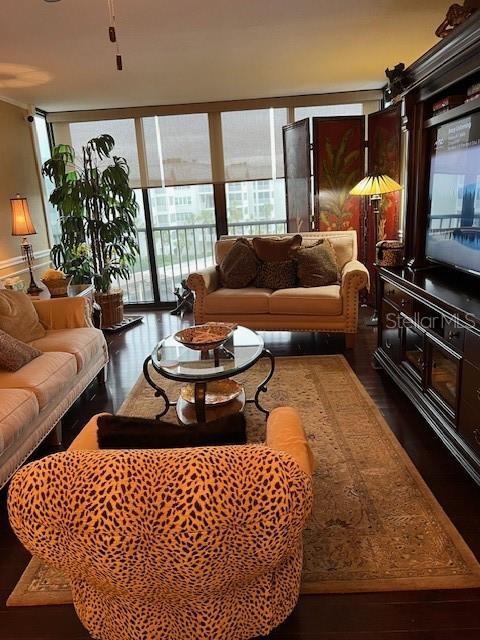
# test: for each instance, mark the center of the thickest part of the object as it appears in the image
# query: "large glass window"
(256, 207)
(44, 155)
(184, 234)
(252, 144)
(170, 159)
(139, 287)
(122, 131)
(177, 149)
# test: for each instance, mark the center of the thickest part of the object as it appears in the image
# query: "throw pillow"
(317, 266)
(270, 249)
(123, 432)
(18, 316)
(14, 354)
(239, 267)
(277, 275)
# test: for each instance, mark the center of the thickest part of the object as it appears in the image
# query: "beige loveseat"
(34, 398)
(332, 308)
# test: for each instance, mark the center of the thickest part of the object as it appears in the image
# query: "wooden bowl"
(204, 337)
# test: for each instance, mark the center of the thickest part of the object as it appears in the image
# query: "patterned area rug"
(375, 525)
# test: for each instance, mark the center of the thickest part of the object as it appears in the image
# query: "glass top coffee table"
(176, 362)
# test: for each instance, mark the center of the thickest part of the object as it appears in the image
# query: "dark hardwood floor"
(417, 615)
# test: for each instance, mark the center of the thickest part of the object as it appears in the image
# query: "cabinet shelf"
(462, 110)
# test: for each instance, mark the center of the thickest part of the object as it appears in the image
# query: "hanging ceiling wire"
(112, 33)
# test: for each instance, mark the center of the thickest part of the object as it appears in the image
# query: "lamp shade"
(22, 224)
(375, 184)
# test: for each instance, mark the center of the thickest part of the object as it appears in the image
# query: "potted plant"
(97, 209)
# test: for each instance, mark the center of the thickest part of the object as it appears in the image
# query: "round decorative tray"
(218, 392)
(204, 337)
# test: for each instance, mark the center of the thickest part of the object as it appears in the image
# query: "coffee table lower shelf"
(187, 413)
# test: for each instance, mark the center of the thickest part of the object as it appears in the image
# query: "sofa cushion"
(18, 316)
(240, 265)
(277, 275)
(14, 354)
(231, 301)
(18, 409)
(46, 376)
(84, 343)
(274, 249)
(317, 265)
(314, 301)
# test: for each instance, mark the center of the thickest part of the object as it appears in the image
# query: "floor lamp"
(375, 185)
(22, 225)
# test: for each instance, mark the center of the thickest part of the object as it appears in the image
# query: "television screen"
(453, 232)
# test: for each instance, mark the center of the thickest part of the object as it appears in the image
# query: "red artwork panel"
(384, 157)
(384, 131)
(338, 164)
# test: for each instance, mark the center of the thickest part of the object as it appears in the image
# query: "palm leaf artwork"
(97, 210)
(386, 153)
(340, 173)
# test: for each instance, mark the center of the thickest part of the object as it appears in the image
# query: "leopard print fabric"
(180, 544)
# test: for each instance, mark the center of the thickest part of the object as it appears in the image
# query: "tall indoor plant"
(97, 209)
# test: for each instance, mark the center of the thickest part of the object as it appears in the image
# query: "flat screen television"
(453, 227)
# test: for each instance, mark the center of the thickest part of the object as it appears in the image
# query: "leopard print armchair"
(201, 543)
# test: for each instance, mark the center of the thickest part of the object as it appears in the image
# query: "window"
(183, 239)
(177, 150)
(259, 209)
(122, 131)
(139, 287)
(44, 154)
(252, 144)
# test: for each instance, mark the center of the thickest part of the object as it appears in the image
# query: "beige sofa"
(34, 398)
(332, 308)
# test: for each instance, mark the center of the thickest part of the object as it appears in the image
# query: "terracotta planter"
(111, 305)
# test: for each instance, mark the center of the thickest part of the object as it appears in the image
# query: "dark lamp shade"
(375, 185)
(22, 224)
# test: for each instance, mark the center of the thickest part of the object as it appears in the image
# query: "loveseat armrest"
(355, 275)
(64, 313)
(285, 432)
(204, 281)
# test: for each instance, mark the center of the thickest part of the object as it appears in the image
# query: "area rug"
(375, 524)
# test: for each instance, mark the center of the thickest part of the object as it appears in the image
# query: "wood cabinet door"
(298, 172)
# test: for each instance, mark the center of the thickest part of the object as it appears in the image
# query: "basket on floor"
(111, 305)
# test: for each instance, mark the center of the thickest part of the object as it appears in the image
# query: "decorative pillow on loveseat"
(270, 249)
(18, 316)
(277, 275)
(239, 267)
(14, 354)
(124, 432)
(317, 265)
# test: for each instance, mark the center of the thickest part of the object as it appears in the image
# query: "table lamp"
(22, 225)
(375, 185)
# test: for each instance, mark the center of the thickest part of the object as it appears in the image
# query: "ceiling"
(57, 55)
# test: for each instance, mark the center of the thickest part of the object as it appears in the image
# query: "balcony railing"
(179, 250)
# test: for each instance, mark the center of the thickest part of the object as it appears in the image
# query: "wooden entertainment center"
(429, 317)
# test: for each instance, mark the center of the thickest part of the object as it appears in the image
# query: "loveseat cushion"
(18, 409)
(231, 301)
(312, 301)
(274, 249)
(239, 267)
(85, 344)
(46, 376)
